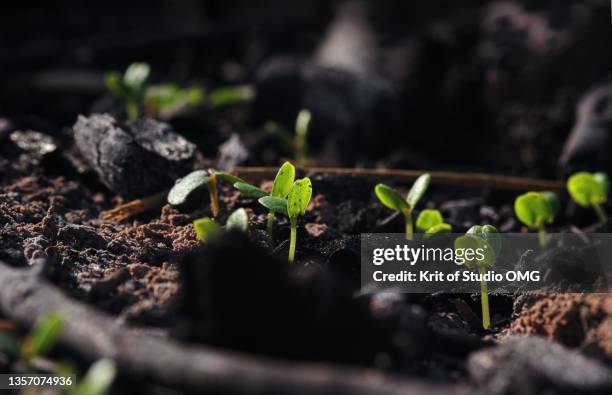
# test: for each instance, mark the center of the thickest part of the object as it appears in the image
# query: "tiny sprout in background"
(131, 86)
(206, 228)
(163, 100)
(393, 200)
(302, 124)
(293, 207)
(431, 222)
(280, 189)
(536, 209)
(590, 190)
(486, 238)
(43, 337)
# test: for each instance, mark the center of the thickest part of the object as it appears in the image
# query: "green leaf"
(44, 335)
(249, 190)
(98, 380)
(587, 189)
(299, 197)
(302, 123)
(275, 204)
(136, 76)
(238, 220)
(230, 95)
(228, 178)
(427, 219)
(603, 180)
(418, 190)
(533, 209)
(439, 228)
(114, 83)
(206, 228)
(283, 181)
(391, 198)
(187, 186)
(488, 233)
(553, 202)
(474, 245)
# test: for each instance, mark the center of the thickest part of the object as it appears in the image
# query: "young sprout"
(163, 100)
(188, 188)
(393, 200)
(487, 239)
(590, 190)
(536, 209)
(280, 188)
(293, 207)
(131, 86)
(206, 228)
(302, 125)
(431, 222)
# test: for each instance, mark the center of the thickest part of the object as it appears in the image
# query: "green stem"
(484, 299)
(292, 239)
(542, 236)
(131, 109)
(270, 227)
(601, 213)
(409, 226)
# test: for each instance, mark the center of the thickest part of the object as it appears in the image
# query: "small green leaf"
(136, 76)
(187, 186)
(238, 220)
(249, 190)
(604, 181)
(299, 197)
(390, 198)
(114, 83)
(427, 219)
(98, 380)
(206, 228)
(488, 233)
(275, 204)
(588, 189)
(439, 229)
(44, 335)
(228, 178)
(533, 209)
(284, 180)
(230, 95)
(553, 202)
(302, 122)
(475, 245)
(418, 190)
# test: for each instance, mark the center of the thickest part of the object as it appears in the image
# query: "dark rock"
(135, 159)
(533, 365)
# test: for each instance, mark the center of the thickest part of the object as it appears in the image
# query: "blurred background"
(513, 87)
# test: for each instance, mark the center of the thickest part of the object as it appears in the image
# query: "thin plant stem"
(292, 240)
(484, 299)
(270, 227)
(409, 226)
(214, 197)
(543, 238)
(601, 213)
(131, 109)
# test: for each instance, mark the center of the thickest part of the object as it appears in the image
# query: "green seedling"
(206, 228)
(280, 188)
(163, 100)
(302, 124)
(431, 222)
(188, 189)
(536, 209)
(393, 200)
(590, 190)
(488, 240)
(293, 207)
(229, 96)
(131, 86)
(98, 379)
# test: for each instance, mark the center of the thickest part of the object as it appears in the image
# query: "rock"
(135, 159)
(533, 365)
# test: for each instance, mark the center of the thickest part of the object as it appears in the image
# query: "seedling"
(163, 100)
(280, 188)
(431, 222)
(590, 190)
(536, 209)
(187, 189)
(393, 200)
(131, 86)
(98, 379)
(302, 124)
(206, 228)
(293, 207)
(486, 238)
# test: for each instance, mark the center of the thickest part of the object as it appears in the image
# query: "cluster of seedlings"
(290, 197)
